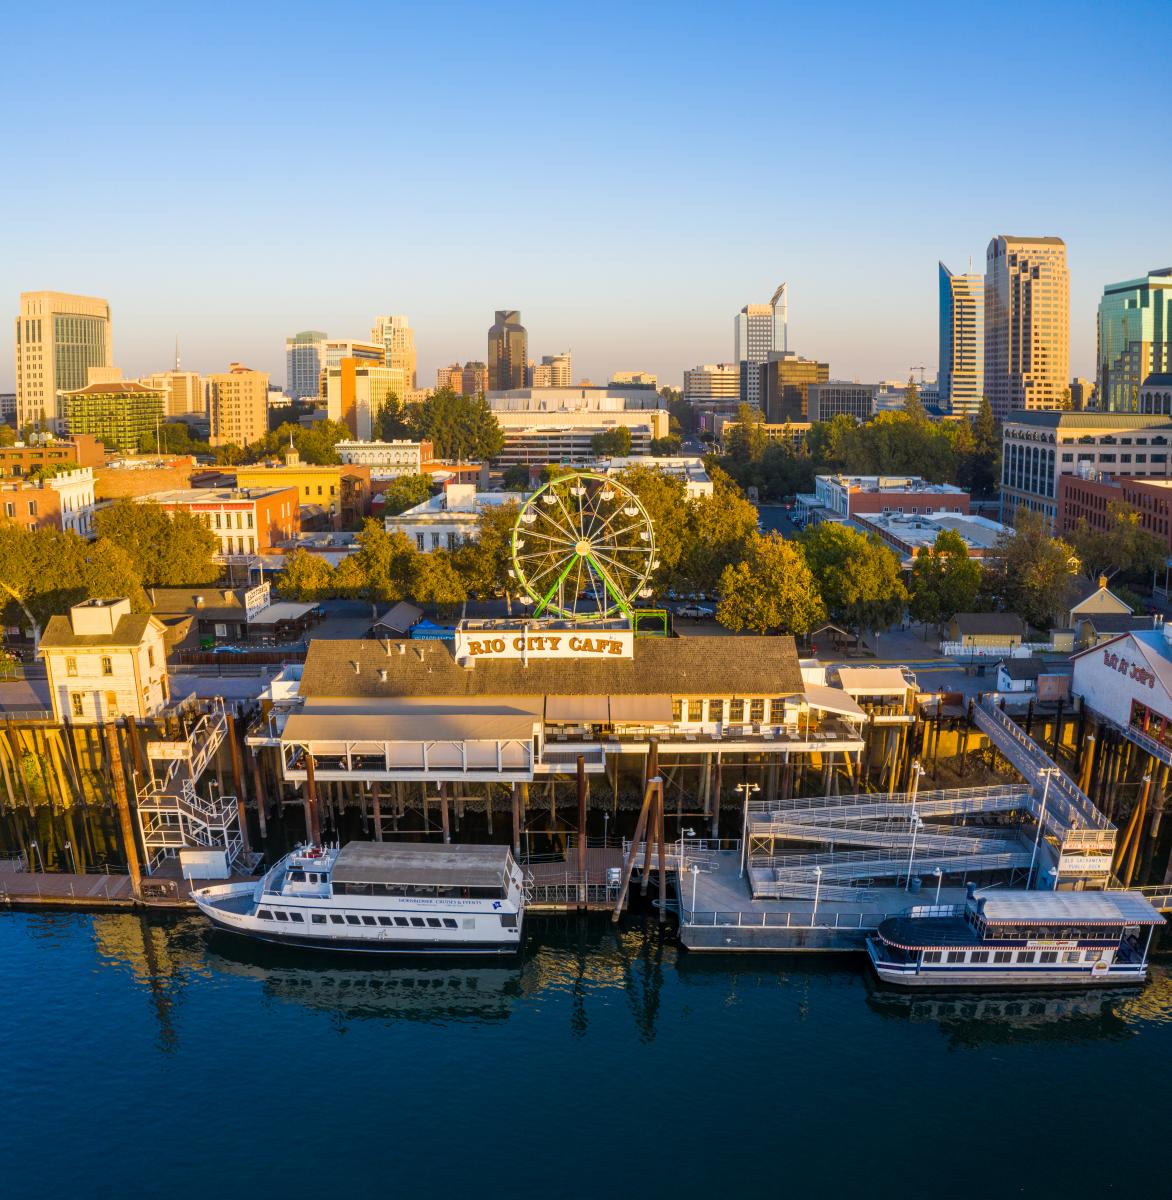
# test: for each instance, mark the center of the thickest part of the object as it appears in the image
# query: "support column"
(238, 784)
(122, 803)
(582, 879)
(516, 802)
(312, 821)
(377, 810)
(444, 813)
(258, 788)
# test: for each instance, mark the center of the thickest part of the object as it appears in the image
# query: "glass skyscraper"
(757, 333)
(303, 363)
(1135, 337)
(961, 376)
(508, 351)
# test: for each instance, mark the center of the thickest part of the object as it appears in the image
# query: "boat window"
(296, 876)
(1025, 956)
(433, 922)
(311, 876)
(337, 920)
(955, 956)
(1003, 956)
(449, 923)
(280, 915)
(931, 956)
(369, 921)
(264, 914)
(1092, 955)
(509, 920)
(980, 956)
(352, 920)
(469, 922)
(296, 916)
(401, 921)
(385, 921)
(417, 922)
(1071, 956)
(318, 918)
(1048, 956)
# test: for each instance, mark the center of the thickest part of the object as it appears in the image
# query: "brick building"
(245, 520)
(1090, 500)
(20, 461)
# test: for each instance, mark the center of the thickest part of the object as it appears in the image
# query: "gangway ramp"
(950, 802)
(889, 835)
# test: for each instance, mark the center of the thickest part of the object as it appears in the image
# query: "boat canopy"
(1068, 908)
(422, 863)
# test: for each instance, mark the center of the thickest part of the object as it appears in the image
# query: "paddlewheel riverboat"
(381, 898)
(1027, 938)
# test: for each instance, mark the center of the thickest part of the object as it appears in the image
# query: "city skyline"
(645, 275)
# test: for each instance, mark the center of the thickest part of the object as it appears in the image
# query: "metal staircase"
(172, 815)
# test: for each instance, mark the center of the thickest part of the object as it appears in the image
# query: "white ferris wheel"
(583, 549)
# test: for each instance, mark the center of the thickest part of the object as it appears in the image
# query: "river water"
(148, 1056)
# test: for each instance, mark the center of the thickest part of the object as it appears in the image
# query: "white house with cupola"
(105, 662)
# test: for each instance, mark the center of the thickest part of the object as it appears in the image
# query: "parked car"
(695, 612)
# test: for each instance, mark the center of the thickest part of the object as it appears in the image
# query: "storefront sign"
(1084, 864)
(256, 599)
(484, 645)
(1132, 670)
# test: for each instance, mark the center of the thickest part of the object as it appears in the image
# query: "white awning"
(577, 708)
(835, 700)
(641, 710)
(326, 732)
(873, 681)
(285, 610)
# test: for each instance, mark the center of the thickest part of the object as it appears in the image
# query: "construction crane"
(921, 370)
(782, 295)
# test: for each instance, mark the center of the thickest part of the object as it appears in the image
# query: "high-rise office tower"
(398, 340)
(238, 406)
(182, 391)
(961, 377)
(785, 385)
(358, 391)
(304, 359)
(757, 333)
(1027, 323)
(554, 370)
(58, 338)
(1135, 337)
(508, 351)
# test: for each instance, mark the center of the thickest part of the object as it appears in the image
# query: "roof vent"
(382, 675)
(198, 601)
(402, 647)
(356, 665)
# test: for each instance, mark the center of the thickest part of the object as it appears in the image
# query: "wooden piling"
(238, 783)
(122, 804)
(582, 875)
(312, 822)
(444, 813)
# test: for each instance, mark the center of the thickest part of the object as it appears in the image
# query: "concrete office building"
(59, 337)
(395, 335)
(387, 460)
(785, 384)
(1082, 394)
(238, 406)
(757, 333)
(182, 391)
(1027, 324)
(508, 352)
(304, 359)
(827, 400)
(554, 370)
(118, 414)
(1155, 395)
(471, 379)
(713, 386)
(634, 379)
(357, 391)
(1038, 448)
(1135, 338)
(961, 376)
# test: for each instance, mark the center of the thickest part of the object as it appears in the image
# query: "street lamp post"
(817, 894)
(916, 822)
(747, 789)
(1049, 773)
(72, 858)
(695, 869)
(939, 880)
(605, 828)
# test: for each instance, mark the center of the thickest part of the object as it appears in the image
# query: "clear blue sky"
(626, 175)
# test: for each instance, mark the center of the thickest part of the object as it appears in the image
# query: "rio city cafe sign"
(483, 645)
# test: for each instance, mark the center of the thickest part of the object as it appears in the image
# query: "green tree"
(667, 446)
(945, 580)
(485, 562)
(665, 499)
(745, 439)
(306, 577)
(913, 406)
(392, 424)
(719, 530)
(168, 549)
(770, 590)
(858, 576)
(1035, 569)
(314, 445)
(438, 582)
(516, 478)
(386, 562)
(7, 435)
(460, 428)
(406, 492)
(612, 443)
(1123, 548)
(680, 412)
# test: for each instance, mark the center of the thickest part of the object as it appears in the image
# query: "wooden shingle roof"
(690, 666)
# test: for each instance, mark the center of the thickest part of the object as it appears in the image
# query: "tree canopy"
(1034, 569)
(1123, 548)
(168, 549)
(460, 428)
(314, 445)
(857, 576)
(612, 443)
(770, 590)
(945, 580)
(406, 492)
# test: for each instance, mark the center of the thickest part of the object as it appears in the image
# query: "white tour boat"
(1024, 938)
(379, 897)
